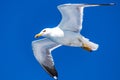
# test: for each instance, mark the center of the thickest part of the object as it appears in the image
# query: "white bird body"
(66, 38)
(66, 33)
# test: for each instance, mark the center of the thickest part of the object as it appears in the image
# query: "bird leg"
(86, 47)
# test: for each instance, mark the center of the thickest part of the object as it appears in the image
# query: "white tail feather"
(90, 44)
(93, 46)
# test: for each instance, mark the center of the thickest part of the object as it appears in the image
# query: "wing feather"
(42, 52)
(72, 15)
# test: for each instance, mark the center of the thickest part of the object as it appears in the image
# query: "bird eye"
(44, 31)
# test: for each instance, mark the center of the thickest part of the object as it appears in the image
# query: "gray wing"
(72, 15)
(42, 52)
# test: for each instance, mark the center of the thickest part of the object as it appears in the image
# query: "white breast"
(57, 32)
(65, 37)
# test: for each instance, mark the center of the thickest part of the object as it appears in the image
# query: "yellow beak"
(38, 35)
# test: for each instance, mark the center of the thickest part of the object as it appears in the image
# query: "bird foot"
(86, 47)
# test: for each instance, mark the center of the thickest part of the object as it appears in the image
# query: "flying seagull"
(66, 33)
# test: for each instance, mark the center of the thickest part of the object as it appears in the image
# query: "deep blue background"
(20, 20)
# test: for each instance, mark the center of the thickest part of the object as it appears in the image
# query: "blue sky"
(20, 20)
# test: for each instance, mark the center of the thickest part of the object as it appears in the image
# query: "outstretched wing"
(72, 15)
(42, 52)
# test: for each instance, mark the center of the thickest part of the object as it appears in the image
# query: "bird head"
(44, 33)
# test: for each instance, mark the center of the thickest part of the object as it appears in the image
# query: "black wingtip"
(51, 71)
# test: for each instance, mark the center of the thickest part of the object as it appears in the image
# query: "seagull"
(67, 33)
